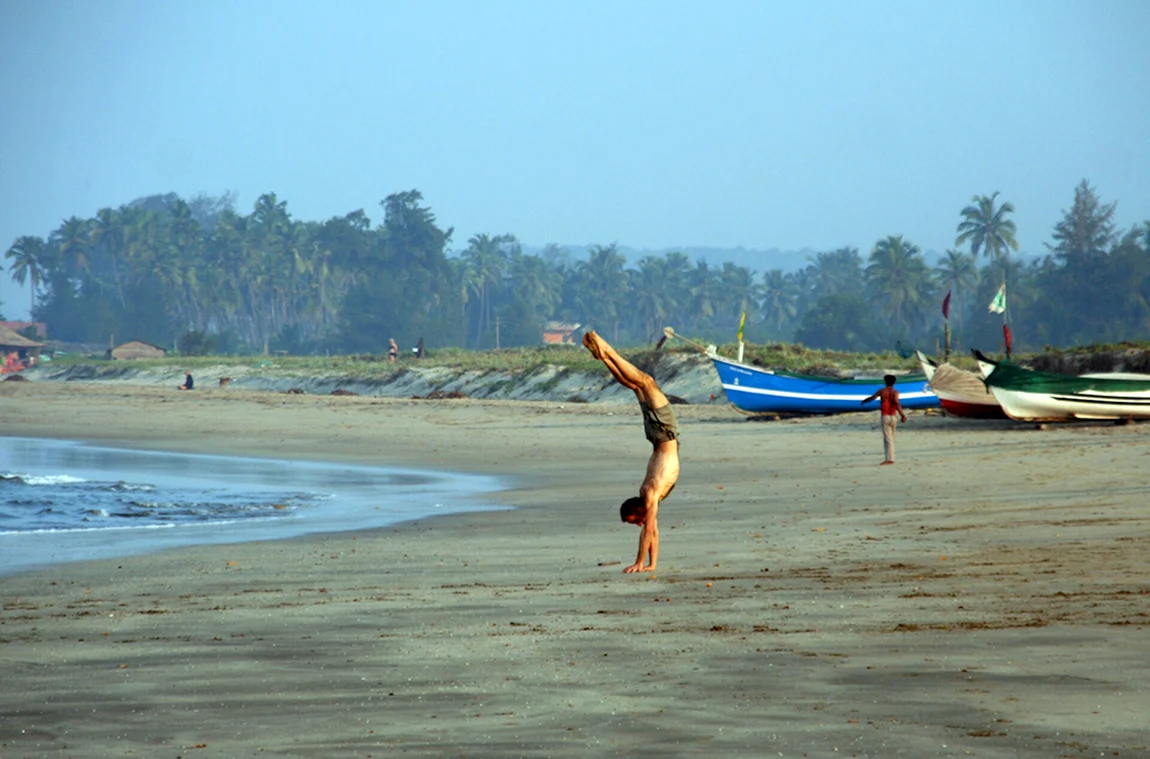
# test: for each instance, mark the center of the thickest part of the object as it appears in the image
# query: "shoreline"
(985, 596)
(335, 498)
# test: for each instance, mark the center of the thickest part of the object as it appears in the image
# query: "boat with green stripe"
(1034, 396)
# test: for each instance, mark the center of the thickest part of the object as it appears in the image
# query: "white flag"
(998, 305)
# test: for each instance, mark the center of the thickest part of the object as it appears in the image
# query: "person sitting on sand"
(663, 467)
(189, 383)
(890, 407)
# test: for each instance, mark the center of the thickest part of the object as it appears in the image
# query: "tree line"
(201, 277)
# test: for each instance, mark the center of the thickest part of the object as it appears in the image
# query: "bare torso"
(662, 471)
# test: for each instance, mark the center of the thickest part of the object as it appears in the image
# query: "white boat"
(1034, 396)
(960, 392)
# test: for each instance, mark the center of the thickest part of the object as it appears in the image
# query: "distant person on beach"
(891, 409)
(189, 383)
(663, 468)
(392, 349)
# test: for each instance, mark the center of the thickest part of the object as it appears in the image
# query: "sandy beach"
(987, 596)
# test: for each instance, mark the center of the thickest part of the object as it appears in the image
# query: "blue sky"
(650, 124)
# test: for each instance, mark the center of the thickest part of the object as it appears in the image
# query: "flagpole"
(998, 306)
(742, 321)
(1005, 329)
(946, 323)
(1007, 339)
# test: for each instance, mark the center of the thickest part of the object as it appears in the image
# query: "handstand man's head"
(633, 510)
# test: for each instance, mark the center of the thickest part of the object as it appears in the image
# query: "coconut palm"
(535, 283)
(602, 285)
(836, 272)
(898, 278)
(650, 294)
(956, 273)
(486, 256)
(28, 256)
(73, 245)
(704, 294)
(779, 298)
(107, 236)
(987, 228)
(740, 293)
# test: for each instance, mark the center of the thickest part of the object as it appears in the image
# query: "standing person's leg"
(888, 428)
(626, 373)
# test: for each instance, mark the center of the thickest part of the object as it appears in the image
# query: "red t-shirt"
(889, 398)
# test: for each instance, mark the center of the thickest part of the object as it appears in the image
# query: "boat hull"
(960, 392)
(757, 391)
(1032, 396)
(971, 410)
(1045, 407)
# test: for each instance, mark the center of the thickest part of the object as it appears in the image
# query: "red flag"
(946, 306)
(1009, 338)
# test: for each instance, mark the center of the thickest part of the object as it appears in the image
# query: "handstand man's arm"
(648, 537)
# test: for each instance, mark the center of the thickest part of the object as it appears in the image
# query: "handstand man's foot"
(591, 340)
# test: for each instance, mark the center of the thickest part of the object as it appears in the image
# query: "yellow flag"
(742, 321)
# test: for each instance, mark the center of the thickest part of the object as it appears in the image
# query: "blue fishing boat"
(761, 391)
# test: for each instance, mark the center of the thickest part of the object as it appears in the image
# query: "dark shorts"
(659, 423)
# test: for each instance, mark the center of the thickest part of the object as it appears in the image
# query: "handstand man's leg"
(625, 372)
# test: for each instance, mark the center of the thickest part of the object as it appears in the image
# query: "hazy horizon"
(652, 125)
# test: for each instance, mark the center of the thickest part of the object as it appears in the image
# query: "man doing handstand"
(663, 468)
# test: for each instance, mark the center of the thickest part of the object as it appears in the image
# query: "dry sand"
(988, 596)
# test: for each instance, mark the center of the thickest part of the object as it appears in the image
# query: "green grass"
(781, 356)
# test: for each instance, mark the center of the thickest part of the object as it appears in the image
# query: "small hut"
(137, 349)
(559, 333)
(26, 351)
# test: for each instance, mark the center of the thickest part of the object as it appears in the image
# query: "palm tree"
(73, 245)
(107, 236)
(28, 262)
(740, 292)
(649, 288)
(704, 293)
(535, 283)
(487, 258)
(836, 272)
(779, 298)
(602, 287)
(987, 228)
(464, 278)
(956, 273)
(898, 278)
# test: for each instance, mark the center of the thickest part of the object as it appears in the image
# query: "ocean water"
(65, 501)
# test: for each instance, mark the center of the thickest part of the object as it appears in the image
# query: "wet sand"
(987, 596)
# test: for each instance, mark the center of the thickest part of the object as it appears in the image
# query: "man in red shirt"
(890, 408)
